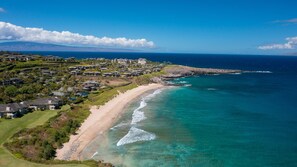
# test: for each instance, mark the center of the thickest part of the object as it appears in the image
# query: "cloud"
(2, 10)
(290, 21)
(12, 32)
(290, 44)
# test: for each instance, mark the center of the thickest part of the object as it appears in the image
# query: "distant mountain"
(33, 46)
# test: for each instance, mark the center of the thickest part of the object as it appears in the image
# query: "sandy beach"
(100, 120)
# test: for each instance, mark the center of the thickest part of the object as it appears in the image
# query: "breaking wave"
(138, 115)
(94, 154)
(135, 135)
(268, 72)
(122, 124)
(183, 82)
(237, 73)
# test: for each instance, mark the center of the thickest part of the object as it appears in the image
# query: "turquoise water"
(225, 120)
(245, 120)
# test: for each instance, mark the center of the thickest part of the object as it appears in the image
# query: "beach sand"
(99, 121)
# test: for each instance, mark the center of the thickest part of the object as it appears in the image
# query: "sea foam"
(122, 124)
(135, 135)
(268, 72)
(94, 154)
(138, 115)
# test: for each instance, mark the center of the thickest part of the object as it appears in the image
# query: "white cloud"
(290, 44)
(2, 10)
(290, 21)
(12, 32)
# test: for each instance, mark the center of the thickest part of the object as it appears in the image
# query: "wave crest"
(135, 135)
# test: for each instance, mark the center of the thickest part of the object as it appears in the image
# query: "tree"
(27, 90)
(11, 91)
(20, 97)
(48, 152)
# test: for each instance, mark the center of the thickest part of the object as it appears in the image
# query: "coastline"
(99, 121)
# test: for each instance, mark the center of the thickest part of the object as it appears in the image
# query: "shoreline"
(99, 121)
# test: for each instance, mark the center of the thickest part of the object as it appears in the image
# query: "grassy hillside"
(10, 127)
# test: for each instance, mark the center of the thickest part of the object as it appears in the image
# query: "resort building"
(90, 85)
(11, 81)
(49, 103)
(13, 110)
(142, 61)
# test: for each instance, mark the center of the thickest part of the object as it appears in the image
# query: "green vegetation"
(10, 127)
(39, 143)
(36, 136)
(146, 78)
(43, 137)
(30, 64)
(107, 94)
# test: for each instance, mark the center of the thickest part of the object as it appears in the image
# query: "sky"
(183, 26)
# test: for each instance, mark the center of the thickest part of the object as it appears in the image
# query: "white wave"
(119, 125)
(150, 96)
(183, 82)
(137, 116)
(268, 72)
(94, 154)
(211, 89)
(135, 135)
(187, 85)
(237, 73)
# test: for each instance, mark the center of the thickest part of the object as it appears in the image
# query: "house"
(91, 73)
(24, 58)
(141, 61)
(13, 110)
(72, 68)
(75, 72)
(126, 74)
(122, 61)
(116, 74)
(137, 72)
(103, 68)
(53, 58)
(10, 58)
(103, 64)
(90, 85)
(148, 71)
(60, 93)
(70, 59)
(12, 81)
(49, 103)
(156, 69)
(82, 94)
(48, 72)
(107, 74)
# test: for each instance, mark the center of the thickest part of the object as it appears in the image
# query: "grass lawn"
(11, 126)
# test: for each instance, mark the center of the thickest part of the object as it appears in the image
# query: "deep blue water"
(285, 64)
(224, 120)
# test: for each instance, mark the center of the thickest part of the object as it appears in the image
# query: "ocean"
(242, 120)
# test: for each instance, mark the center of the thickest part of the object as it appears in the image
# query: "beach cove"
(99, 121)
